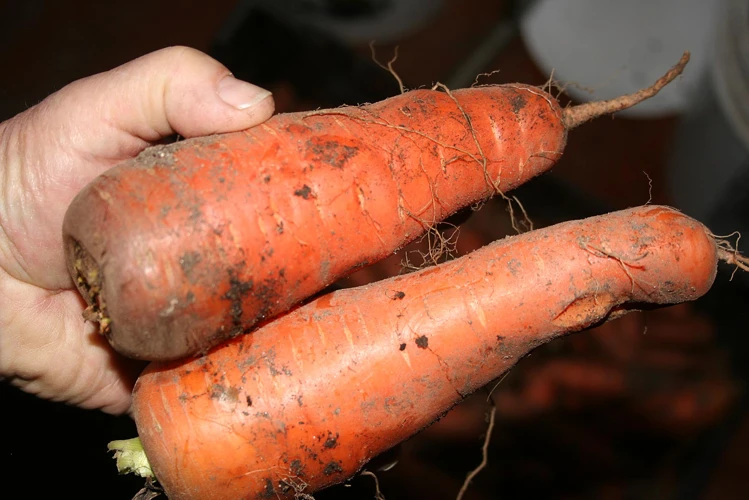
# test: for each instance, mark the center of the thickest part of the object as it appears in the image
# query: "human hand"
(47, 154)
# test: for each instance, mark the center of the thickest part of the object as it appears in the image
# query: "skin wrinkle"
(83, 375)
(141, 128)
(12, 256)
(41, 308)
(130, 142)
(32, 231)
(165, 86)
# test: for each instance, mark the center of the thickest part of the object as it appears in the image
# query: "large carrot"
(195, 242)
(307, 399)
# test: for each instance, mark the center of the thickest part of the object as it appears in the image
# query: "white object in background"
(708, 172)
(730, 66)
(615, 47)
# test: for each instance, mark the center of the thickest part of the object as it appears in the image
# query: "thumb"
(179, 90)
(173, 90)
(50, 151)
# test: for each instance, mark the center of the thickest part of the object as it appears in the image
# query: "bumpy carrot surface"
(307, 399)
(211, 235)
(196, 242)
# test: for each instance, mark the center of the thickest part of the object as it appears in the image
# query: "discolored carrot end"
(88, 278)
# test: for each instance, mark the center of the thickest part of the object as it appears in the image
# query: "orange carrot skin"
(309, 398)
(198, 241)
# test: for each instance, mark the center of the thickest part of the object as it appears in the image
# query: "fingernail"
(240, 94)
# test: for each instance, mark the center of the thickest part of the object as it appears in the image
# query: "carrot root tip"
(575, 116)
(734, 258)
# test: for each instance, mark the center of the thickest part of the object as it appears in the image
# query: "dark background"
(679, 429)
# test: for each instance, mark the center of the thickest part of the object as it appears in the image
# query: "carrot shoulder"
(306, 400)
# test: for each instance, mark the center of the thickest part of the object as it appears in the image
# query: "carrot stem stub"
(131, 458)
(306, 400)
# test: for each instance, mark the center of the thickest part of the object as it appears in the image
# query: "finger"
(181, 90)
(173, 90)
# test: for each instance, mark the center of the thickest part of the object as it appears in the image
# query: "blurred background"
(653, 405)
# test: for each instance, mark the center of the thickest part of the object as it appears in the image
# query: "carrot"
(195, 242)
(307, 399)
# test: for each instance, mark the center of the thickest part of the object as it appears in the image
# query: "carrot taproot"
(195, 242)
(307, 399)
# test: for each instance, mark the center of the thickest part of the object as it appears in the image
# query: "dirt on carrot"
(331, 385)
(196, 242)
